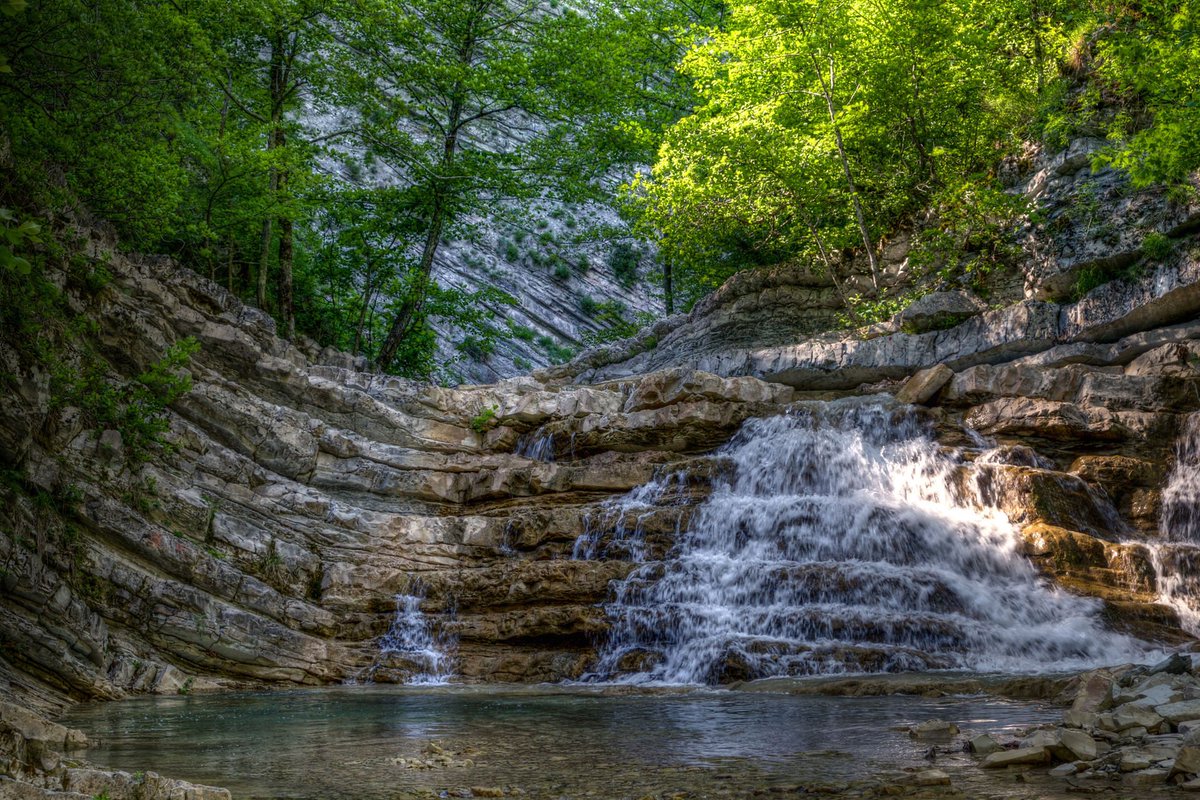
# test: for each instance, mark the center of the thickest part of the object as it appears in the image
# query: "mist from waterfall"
(843, 539)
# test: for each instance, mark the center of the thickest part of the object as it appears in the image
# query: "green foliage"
(969, 235)
(1153, 58)
(512, 253)
(137, 408)
(1088, 279)
(178, 124)
(866, 311)
(522, 332)
(485, 420)
(615, 317)
(14, 236)
(623, 260)
(561, 271)
(821, 127)
(1156, 246)
(558, 354)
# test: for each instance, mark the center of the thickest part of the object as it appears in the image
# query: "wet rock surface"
(302, 496)
(1131, 727)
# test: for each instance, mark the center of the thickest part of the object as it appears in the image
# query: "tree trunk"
(405, 318)
(409, 313)
(828, 90)
(668, 287)
(264, 259)
(285, 300)
(274, 136)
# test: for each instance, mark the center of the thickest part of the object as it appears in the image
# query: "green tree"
(821, 126)
(1153, 55)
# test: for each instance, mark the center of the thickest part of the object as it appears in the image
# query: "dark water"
(353, 742)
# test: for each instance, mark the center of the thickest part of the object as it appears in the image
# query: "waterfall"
(411, 640)
(843, 539)
(1177, 558)
(536, 446)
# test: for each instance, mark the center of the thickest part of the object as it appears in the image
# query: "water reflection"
(372, 742)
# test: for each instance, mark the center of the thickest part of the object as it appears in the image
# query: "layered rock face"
(302, 497)
(1094, 227)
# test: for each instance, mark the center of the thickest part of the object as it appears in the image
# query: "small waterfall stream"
(1177, 559)
(411, 639)
(844, 539)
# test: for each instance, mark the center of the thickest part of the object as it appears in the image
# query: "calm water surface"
(360, 742)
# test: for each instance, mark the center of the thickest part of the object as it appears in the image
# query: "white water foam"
(411, 638)
(844, 540)
(1177, 558)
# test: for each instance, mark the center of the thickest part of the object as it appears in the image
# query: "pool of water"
(369, 742)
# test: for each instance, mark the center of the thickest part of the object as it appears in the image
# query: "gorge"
(1014, 494)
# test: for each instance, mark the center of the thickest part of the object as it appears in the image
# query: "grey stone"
(1019, 757)
(933, 729)
(1184, 710)
(920, 388)
(984, 744)
(1145, 777)
(938, 311)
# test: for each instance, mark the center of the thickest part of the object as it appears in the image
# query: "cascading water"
(1177, 559)
(411, 640)
(536, 446)
(844, 539)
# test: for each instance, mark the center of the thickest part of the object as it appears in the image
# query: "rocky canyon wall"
(302, 497)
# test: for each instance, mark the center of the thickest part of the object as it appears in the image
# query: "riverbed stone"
(1018, 757)
(920, 388)
(1179, 712)
(1187, 760)
(933, 729)
(984, 744)
(1145, 777)
(931, 777)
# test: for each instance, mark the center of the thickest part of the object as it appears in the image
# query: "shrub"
(522, 332)
(1156, 246)
(562, 272)
(484, 420)
(623, 260)
(477, 348)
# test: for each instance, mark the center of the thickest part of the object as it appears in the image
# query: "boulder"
(1132, 761)
(938, 311)
(1187, 760)
(1077, 745)
(1145, 777)
(1179, 712)
(920, 388)
(984, 744)
(931, 777)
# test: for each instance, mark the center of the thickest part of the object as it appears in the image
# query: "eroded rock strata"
(301, 496)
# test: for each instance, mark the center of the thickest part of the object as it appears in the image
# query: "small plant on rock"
(485, 420)
(1156, 246)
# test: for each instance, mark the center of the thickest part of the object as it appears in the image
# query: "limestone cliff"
(302, 496)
